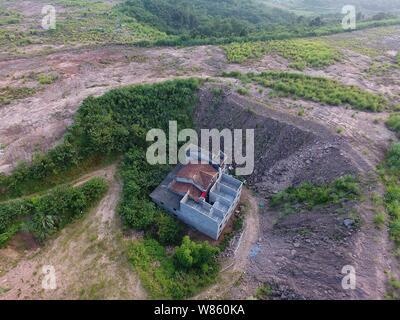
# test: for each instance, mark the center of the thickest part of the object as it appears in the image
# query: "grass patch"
(380, 219)
(243, 91)
(301, 52)
(263, 292)
(49, 78)
(10, 94)
(315, 89)
(393, 122)
(308, 195)
(390, 174)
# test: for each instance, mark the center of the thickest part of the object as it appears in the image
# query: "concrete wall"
(197, 220)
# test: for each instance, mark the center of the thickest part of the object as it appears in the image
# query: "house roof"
(201, 174)
(182, 188)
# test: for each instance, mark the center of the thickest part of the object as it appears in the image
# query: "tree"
(195, 255)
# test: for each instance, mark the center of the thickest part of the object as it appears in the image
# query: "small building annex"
(200, 193)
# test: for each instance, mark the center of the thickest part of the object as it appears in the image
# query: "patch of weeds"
(243, 91)
(339, 130)
(301, 52)
(380, 220)
(317, 89)
(49, 78)
(10, 94)
(263, 292)
(390, 174)
(393, 122)
(308, 195)
(3, 290)
(393, 291)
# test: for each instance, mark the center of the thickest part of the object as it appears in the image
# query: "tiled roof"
(182, 188)
(201, 174)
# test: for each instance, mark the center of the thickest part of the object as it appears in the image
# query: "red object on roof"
(201, 174)
(203, 195)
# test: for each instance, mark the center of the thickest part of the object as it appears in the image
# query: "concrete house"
(200, 193)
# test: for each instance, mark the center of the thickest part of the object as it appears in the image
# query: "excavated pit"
(300, 256)
(288, 149)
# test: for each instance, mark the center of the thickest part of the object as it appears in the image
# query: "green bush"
(380, 219)
(169, 230)
(302, 52)
(160, 276)
(309, 195)
(46, 214)
(393, 123)
(192, 255)
(316, 89)
(393, 157)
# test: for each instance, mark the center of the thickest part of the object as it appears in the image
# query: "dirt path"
(233, 267)
(88, 257)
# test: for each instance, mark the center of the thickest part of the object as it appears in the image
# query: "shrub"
(344, 188)
(169, 231)
(316, 89)
(47, 78)
(195, 255)
(393, 123)
(46, 214)
(302, 52)
(393, 157)
(161, 277)
(380, 219)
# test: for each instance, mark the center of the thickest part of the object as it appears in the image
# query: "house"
(200, 193)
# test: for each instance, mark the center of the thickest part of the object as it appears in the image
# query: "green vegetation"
(263, 292)
(8, 17)
(10, 94)
(394, 288)
(44, 215)
(309, 196)
(174, 276)
(82, 22)
(47, 78)
(390, 173)
(393, 122)
(301, 52)
(380, 219)
(243, 91)
(136, 209)
(316, 89)
(205, 18)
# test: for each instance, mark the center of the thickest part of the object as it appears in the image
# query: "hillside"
(76, 105)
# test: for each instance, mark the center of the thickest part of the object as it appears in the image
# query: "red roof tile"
(182, 188)
(201, 174)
